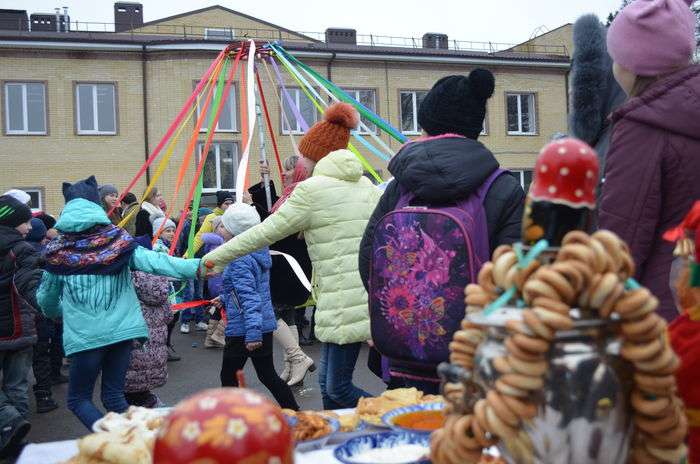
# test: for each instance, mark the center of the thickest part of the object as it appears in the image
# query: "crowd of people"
(96, 285)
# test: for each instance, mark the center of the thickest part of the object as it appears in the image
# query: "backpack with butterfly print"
(422, 258)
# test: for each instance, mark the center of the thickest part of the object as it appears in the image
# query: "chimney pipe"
(58, 19)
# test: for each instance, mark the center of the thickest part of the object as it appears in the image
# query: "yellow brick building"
(88, 101)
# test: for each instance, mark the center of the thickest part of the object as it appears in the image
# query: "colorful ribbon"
(241, 175)
(188, 153)
(171, 128)
(308, 91)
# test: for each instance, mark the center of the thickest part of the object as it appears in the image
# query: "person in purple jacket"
(652, 167)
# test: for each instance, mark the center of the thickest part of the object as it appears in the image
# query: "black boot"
(12, 436)
(44, 402)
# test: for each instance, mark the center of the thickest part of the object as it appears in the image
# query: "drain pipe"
(144, 91)
(329, 71)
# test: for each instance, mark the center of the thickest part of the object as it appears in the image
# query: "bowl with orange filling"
(419, 418)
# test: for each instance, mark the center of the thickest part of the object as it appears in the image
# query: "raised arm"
(292, 217)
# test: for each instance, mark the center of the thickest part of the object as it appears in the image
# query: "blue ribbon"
(370, 147)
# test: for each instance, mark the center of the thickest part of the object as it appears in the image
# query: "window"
(524, 176)
(220, 167)
(214, 33)
(227, 118)
(521, 114)
(37, 195)
(306, 109)
(96, 107)
(410, 102)
(368, 98)
(25, 108)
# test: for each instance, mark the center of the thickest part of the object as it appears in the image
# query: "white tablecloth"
(60, 451)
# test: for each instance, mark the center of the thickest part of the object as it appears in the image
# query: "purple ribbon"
(290, 101)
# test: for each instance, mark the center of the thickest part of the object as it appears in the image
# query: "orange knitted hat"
(330, 134)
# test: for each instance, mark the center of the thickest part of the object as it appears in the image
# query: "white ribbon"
(250, 90)
(296, 267)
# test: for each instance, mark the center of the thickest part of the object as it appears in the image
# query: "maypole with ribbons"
(244, 61)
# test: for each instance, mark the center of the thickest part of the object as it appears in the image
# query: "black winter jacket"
(444, 170)
(284, 286)
(17, 328)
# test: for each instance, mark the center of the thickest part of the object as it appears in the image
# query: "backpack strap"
(486, 185)
(405, 198)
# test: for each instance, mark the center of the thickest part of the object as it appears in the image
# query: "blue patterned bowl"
(310, 445)
(348, 452)
(388, 418)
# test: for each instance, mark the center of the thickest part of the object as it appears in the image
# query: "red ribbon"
(189, 304)
(171, 129)
(270, 130)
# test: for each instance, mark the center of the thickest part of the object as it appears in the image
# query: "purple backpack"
(422, 258)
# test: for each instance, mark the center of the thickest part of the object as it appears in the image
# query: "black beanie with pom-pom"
(457, 104)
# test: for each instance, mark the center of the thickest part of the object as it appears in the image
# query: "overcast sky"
(509, 21)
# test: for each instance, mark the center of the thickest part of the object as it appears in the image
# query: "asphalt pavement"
(198, 370)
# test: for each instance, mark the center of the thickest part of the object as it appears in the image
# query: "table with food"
(234, 425)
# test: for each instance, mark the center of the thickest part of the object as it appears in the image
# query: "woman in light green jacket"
(331, 209)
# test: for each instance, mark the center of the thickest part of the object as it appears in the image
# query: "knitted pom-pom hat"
(330, 134)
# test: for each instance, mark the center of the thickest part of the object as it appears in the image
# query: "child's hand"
(253, 346)
(216, 302)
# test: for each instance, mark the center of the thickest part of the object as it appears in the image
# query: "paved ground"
(198, 369)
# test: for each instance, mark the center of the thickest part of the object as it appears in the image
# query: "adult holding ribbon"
(331, 208)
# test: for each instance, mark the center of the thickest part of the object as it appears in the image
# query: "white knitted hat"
(240, 217)
(157, 222)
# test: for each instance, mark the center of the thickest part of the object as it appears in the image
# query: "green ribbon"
(500, 301)
(694, 274)
(200, 182)
(523, 262)
(343, 96)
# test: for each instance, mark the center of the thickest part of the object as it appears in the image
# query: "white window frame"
(232, 96)
(217, 31)
(296, 93)
(25, 111)
(355, 93)
(216, 146)
(521, 176)
(40, 193)
(416, 129)
(485, 127)
(95, 115)
(533, 105)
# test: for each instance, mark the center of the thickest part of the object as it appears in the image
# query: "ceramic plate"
(348, 452)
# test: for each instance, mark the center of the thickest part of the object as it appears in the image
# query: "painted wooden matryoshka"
(562, 196)
(225, 426)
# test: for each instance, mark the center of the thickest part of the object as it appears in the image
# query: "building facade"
(78, 101)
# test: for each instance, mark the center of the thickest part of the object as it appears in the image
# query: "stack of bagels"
(589, 272)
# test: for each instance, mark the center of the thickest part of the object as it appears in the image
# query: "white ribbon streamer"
(250, 90)
(296, 267)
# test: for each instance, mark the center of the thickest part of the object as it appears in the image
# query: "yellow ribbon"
(163, 164)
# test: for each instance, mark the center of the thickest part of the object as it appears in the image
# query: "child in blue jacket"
(251, 317)
(87, 282)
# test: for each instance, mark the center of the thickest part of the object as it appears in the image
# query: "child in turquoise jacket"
(88, 283)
